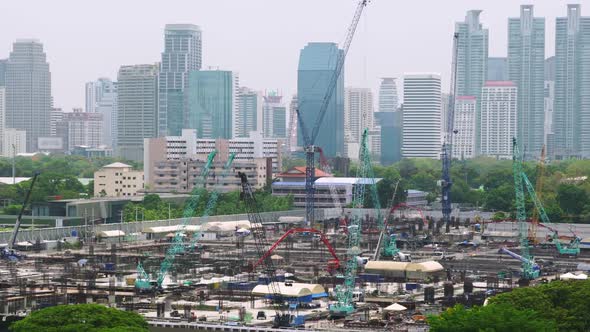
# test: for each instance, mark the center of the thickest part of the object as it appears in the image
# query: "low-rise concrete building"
(117, 179)
(182, 176)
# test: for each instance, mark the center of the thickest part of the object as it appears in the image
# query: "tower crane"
(258, 232)
(344, 292)
(529, 268)
(143, 281)
(309, 139)
(447, 148)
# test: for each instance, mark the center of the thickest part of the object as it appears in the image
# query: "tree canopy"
(81, 317)
(556, 306)
(491, 318)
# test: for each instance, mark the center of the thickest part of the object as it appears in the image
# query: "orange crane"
(539, 190)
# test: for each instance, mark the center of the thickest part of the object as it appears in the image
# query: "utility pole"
(13, 164)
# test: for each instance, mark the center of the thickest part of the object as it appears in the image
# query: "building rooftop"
(499, 83)
(299, 172)
(344, 180)
(117, 165)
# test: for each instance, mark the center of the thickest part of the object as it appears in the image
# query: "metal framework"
(332, 265)
(258, 232)
(344, 292)
(143, 281)
(309, 140)
(528, 262)
(447, 148)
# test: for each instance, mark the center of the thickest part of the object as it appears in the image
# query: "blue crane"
(447, 149)
(309, 140)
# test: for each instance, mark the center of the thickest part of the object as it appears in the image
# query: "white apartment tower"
(464, 124)
(358, 113)
(2, 117)
(498, 118)
(101, 97)
(421, 119)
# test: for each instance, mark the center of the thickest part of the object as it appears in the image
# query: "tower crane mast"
(447, 148)
(309, 140)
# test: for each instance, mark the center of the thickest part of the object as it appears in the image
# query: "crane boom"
(177, 242)
(309, 139)
(538, 190)
(22, 210)
(212, 202)
(261, 243)
(528, 270)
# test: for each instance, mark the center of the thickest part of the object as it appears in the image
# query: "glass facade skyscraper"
(212, 97)
(472, 61)
(182, 54)
(497, 69)
(28, 91)
(137, 96)
(317, 63)
(571, 114)
(249, 117)
(526, 66)
(275, 116)
(388, 99)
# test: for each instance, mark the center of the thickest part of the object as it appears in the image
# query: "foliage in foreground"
(491, 318)
(81, 317)
(557, 306)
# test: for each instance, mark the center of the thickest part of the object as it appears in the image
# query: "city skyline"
(370, 59)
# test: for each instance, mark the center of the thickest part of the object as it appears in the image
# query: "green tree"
(491, 318)
(565, 302)
(500, 198)
(81, 317)
(572, 199)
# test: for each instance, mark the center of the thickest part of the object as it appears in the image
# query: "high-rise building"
(101, 97)
(56, 116)
(249, 116)
(317, 63)
(571, 115)
(550, 68)
(358, 113)
(137, 96)
(391, 136)
(388, 98)
(212, 101)
(498, 118)
(422, 116)
(28, 91)
(79, 128)
(526, 66)
(2, 116)
(497, 69)
(464, 124)
(549, 139)
(3, 63)
(549, 106)
(472, 60)
(182, 54)
(293, 125)
(275, 116)
(15, 142)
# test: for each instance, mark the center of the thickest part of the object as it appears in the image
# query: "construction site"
(341, 268)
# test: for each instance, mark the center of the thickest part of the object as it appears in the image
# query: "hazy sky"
(260, 39)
